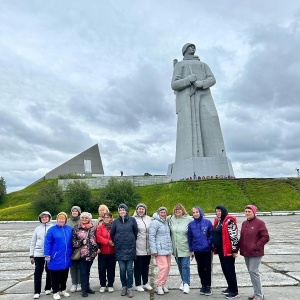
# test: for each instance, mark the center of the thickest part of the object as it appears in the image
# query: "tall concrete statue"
(199, 134)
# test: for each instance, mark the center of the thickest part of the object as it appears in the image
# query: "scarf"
(108, 226)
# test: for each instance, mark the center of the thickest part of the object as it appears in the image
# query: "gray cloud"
(90, 73)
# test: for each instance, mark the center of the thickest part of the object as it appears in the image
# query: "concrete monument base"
(204, 167)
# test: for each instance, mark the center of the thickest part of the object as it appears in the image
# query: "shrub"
(49, 197)
(78, 193)
(116, 192)
(2, 189)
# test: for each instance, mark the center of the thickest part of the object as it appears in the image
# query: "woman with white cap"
(161, 248)
(36, 254)
(84, 237)
(143, 255)
(58, 251)
(254, 236)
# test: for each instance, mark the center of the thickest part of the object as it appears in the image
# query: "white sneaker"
(186, 288)
(36, 296)
(56, 296)
(102, 289)
(110, 289)
(148, 287)
(47, 292)
(78, 288)
(65, 294)
(73, 288)
(139, 288)
(159, 290)
(165, 289)
(181, 286)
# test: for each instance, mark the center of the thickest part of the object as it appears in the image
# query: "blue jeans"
(126, 273)
(184, 268)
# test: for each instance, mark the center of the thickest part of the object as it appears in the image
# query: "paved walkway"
(280, 268)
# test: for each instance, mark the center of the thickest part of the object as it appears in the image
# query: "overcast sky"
(76, 73)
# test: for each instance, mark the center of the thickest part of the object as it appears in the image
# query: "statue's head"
(184, 48)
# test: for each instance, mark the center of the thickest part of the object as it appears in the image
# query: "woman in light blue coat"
(161, 248)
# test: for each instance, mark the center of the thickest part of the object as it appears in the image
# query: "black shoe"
(207, 291)
(232, 296)
(202, 291)
(90, 291)
(84, 294)
(225, 292)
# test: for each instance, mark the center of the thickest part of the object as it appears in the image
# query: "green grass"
(266, 194)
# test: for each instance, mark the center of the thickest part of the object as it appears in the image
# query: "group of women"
(132, 240)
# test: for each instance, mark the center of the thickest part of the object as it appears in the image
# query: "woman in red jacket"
(106, 258)
(225, 243)
(254, 236)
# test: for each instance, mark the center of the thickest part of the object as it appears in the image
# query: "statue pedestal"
(208, 167)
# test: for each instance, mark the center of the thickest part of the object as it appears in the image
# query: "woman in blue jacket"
(200, 243)
(58, 251)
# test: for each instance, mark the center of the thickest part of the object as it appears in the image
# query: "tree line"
(50, 196)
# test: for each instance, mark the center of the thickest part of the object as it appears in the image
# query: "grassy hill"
(267, 194)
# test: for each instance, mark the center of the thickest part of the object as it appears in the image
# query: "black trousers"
(228, 268)
(38, 273)
(106, 269)
(141, 269)
(85, 268)
(204, 261)
(59, 280)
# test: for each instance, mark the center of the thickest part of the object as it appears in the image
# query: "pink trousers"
(164, 264)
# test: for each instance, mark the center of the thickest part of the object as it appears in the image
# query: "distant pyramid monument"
(87, 162)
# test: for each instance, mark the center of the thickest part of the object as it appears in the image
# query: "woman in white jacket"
(143, 256)
(36, 254)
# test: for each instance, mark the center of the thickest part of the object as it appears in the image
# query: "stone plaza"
(280, 269)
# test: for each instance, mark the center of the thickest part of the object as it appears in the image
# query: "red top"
(103, 238)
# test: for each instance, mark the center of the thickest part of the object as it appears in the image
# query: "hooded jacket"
(38, 237)
(229, 232)
(124, 234)
(159, 236)
(58, 245)
(179, 235)
(200, 234)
